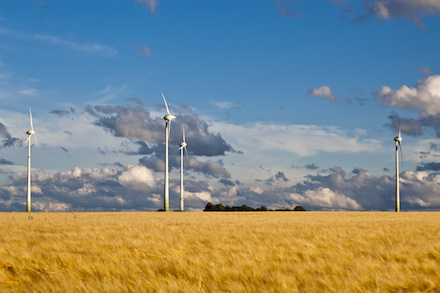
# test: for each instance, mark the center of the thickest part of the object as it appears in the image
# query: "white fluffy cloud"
(323, 92)
(137, 175)
(327, 199)
(424, 97)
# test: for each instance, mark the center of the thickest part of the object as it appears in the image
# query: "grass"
(220, 252)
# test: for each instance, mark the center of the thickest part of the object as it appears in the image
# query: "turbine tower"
(168, 117)
(398, 141)
(30, 133)
(182, 147)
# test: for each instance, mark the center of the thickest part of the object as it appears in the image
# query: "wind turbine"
(183, 145)
(168, 119)
(30, 133)
(398, 141)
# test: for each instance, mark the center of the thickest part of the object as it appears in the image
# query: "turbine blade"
(183, 129)
(30, 115)
(169, 128)
(401, 152)
(186, 152)
(36, 141)
(166, 105)
(29, 137)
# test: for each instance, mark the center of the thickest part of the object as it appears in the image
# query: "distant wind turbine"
(182, 148)
(30, 133)
(398, 141)
(168, 119)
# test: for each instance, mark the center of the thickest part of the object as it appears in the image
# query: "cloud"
(85, 48)
(407, 126)
(323, 92)
(302, 140)
(144, 51)
(424, 98)
(6, 139)
(311, 166)
(414, 11)
(289, 8)
(137, 176)
(136, 188)
(326, 199)
(137, 124)
(432, 166)
(226, 105)
(421, 189)
(280, 176)
(59, 113)
(424, 70)
(29, 92)
(209, 168)
(149, 4)
(5, 162)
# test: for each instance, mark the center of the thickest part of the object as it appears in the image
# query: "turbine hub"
(398, 139)
(169, 117)
(30, 132)
(183, 144)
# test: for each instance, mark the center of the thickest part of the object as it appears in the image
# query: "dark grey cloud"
(6, 139)
(209, 168)
(5, 162)
(407, 126)
(432, 166)
(280, 176)
(310, 166)
(144, 149)
(135, 123)
(59, 113)
(226, 182)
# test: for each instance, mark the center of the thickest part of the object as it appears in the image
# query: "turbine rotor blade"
(183, 129)
(36, 141)
(401, 152)
(166, 105)
(30, 116)
(399, 127)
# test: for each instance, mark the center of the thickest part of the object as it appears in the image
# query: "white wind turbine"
(182, 148)
(398, 141)
(30, 133)
(168, 119)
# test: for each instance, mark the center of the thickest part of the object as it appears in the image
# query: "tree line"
(244, 208)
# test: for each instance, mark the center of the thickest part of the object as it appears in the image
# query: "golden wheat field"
(220, 252)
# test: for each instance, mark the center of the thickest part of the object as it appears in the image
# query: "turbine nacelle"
(183, 145)
(169, 117)
(30, 132)
(398, 139)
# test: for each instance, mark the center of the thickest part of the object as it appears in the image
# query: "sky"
(283, 102)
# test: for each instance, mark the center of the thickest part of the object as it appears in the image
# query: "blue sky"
(285, 103)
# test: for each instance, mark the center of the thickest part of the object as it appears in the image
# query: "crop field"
(220, 252)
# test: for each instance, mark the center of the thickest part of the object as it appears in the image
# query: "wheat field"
(220, 252)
